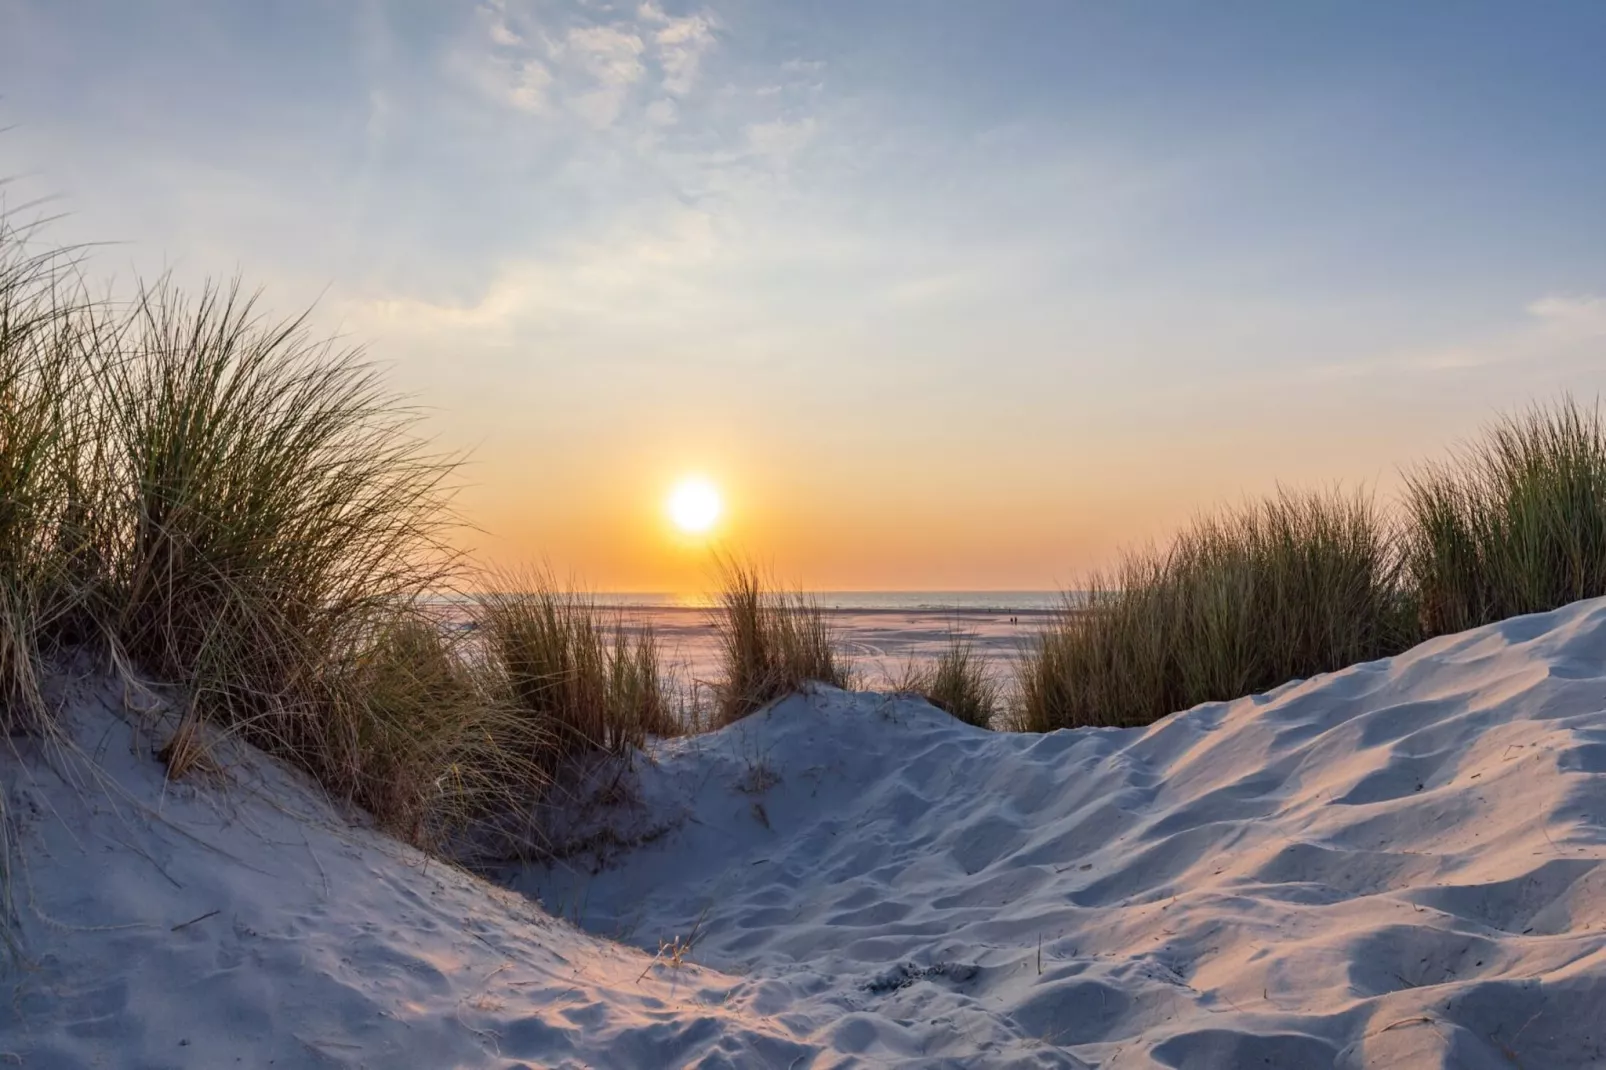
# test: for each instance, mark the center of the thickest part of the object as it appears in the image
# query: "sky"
(941, 295)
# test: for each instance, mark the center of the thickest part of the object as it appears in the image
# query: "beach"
(881, 642)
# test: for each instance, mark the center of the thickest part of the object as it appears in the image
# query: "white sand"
(1398, 865)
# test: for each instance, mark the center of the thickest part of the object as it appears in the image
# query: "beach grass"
(431, 735)
(225, 506)
(1241, 601)
(48, 333)
(956, 681)
(773, 642)
(1512, 523)
(583, 678)
(229, 507)
(277, 519)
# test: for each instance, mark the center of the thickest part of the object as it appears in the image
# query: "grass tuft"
(1241, 602)
(1513, 524)
(772, 643)
(42, 362)
(244, 512)
(275, 515)
(956, 681)
(580, 676)
(429, 736)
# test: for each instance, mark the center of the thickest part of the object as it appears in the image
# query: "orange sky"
(950, 507)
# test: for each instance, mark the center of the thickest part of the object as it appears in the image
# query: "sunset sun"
(694, 505)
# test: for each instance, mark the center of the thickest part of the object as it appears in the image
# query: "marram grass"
(276, 519)
(1513, 523)
(957, 681)
(772, 643)
(578, 674)
(48, 337)
(1240, 602)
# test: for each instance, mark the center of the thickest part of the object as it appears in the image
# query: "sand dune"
(1397, 865)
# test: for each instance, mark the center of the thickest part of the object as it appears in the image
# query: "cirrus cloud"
(545, 62)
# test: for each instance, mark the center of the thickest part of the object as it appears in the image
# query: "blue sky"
(945, 294)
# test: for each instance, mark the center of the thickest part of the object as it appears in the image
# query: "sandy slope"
(1395, 865)
(318, 944)
(1398, 865)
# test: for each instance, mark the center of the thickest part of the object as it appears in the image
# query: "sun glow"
(694, 505)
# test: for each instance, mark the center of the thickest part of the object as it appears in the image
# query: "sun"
(694, 505)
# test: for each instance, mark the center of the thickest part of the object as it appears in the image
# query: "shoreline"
(879, 611)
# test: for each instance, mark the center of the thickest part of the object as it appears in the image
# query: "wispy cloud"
(632, 276)
(682, 42)
(552, 63)
(1570, 317)
(1553, 329)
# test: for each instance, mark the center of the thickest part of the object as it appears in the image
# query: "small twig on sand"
(192, 921)
(675, 950)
